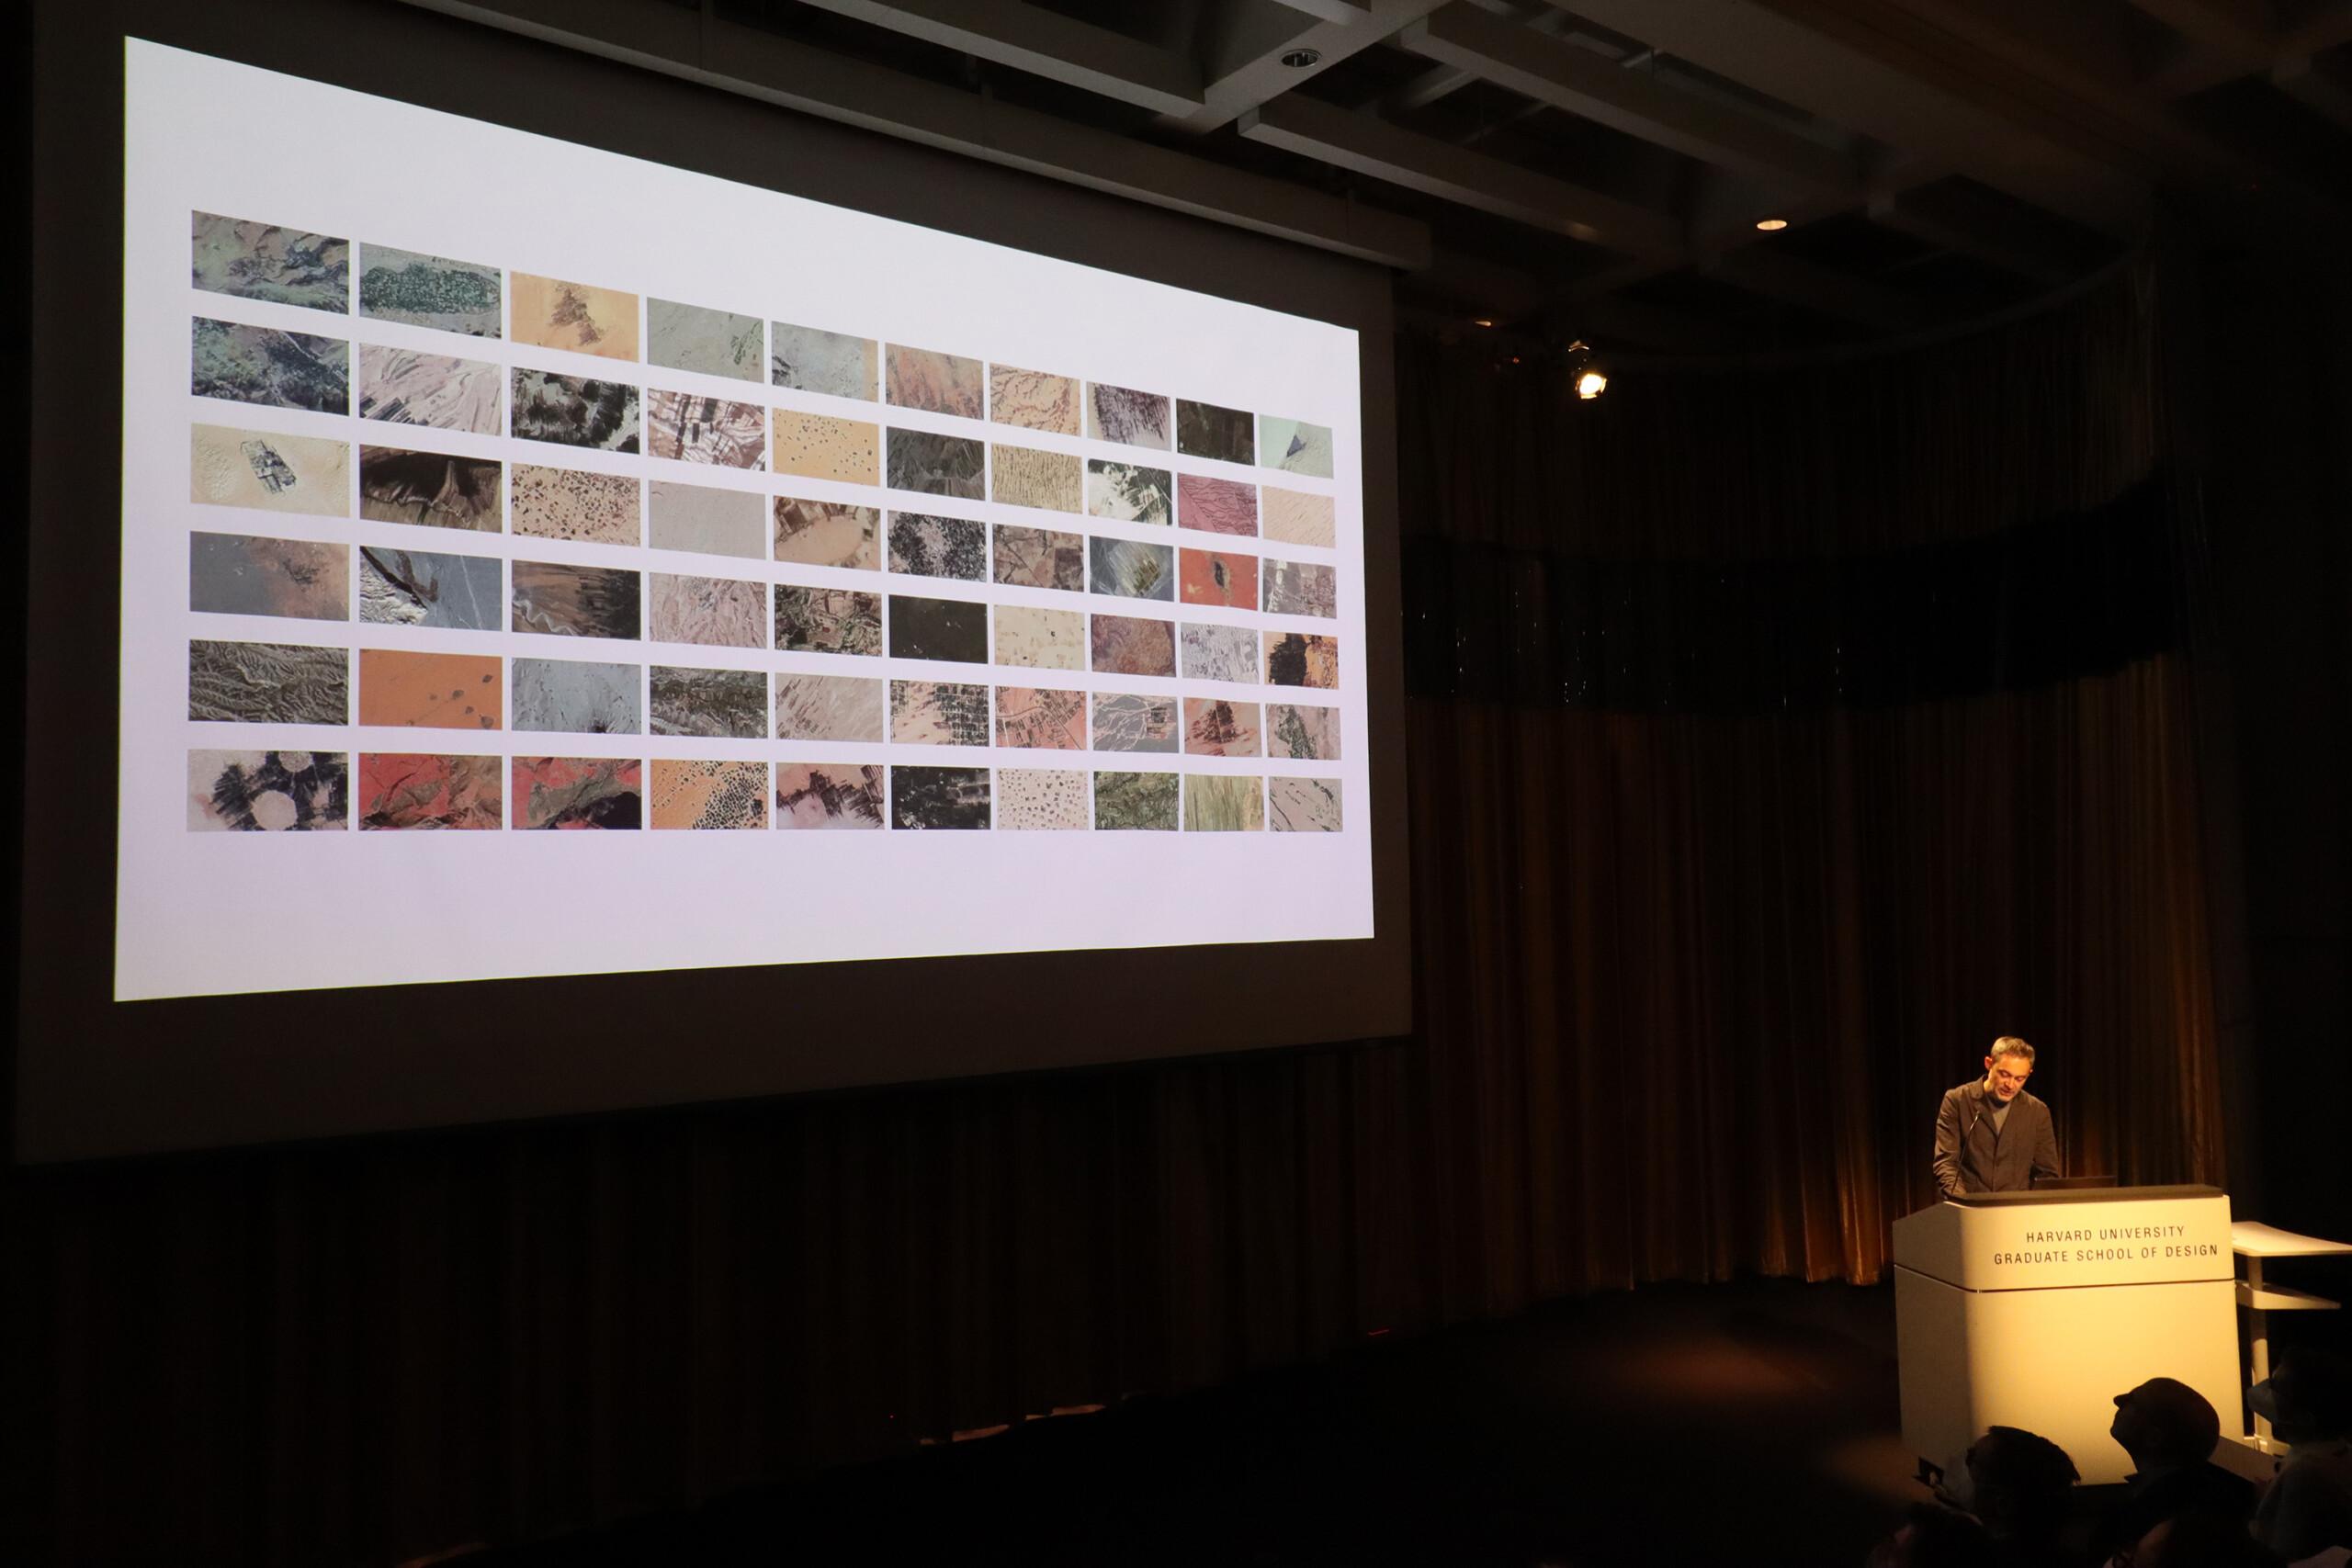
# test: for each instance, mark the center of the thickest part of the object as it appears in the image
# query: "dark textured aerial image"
(262, 364)
(954, 629)
(575, 410)
(1204, 430)
(713, 702)
(268, 682)
(268, 792)
(932, 464)
(576, 600)
(939, 713)
(239, 574)
(1132, 570)
(260, 261)
(827, 620)
(1129, 645)
(1131, 801)
(577, 794)
(430, 488)
(1293, 659)
(829, 795)
(691, 428)
(428, 292)
(939, 797)
(1127, 416)
(415, 588)
(923, 546)
(1040, 557)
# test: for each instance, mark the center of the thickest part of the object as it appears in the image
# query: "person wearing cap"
(1992, 1136)
(2170, 1430)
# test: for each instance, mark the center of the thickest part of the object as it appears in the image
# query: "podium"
(2036, 1309)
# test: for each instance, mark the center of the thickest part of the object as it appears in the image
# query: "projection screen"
(771, 644)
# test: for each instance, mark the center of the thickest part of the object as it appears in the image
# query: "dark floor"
(1752, 1423)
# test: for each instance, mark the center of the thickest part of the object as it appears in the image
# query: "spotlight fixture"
(1588, 376)
(1482, 321)
(1300, 59)
(1771, 225)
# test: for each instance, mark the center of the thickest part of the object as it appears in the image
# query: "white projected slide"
(539, 561)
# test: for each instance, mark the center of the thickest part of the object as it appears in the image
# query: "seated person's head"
(2198, 1540)
(2165, 1425)
(2020, 1483)
(2308, 1397)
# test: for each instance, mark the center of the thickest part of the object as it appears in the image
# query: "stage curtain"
(1699, 941)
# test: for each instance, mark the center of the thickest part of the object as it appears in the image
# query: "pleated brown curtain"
(1709, 909)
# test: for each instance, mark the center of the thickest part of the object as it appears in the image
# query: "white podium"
(2036, 1309)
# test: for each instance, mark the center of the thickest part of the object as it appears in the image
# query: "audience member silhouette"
(1937, 1537)
(2308, 1400)
(2022, 1486)
(2170, 1430)
(2198, 1540)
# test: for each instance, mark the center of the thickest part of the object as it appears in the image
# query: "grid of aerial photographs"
(936, 592)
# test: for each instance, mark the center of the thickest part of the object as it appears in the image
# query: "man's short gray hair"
(2011, 1046)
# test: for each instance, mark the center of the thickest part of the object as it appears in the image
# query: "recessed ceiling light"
(1482, 321)
(1300, 59)
(1770, 224)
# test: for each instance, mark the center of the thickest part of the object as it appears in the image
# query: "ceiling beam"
(1342, 11)
(2236, 27)
(2016, 240)
(1776, 274)
(1753, 42)
(1249, 70)
(2322, 92)
(1569, 77)
(1043, 43)
(1505, 296)
(693, 47)
(1375, 147)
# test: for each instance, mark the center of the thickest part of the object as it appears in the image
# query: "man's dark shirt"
(2205, 1488)
(1971, 1156)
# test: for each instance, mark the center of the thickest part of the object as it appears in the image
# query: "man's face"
(2134, 1421)
(2005, 1075)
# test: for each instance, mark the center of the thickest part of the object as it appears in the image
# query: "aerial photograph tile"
(939, 797)
(1128, 644)
(576, 600)
(1216, 727)
(827, 620)
(1036, 719)
(412, 588)
(1224, 803)
(268, 792)
(938, 713)
(552, 313)
(829, 707)
(431, 489)
(704, 521)
(567, 503)
(575, 697)
(1303, 806)
(941, 383)
(1295, 517)
(1042, 799)
(1301, 732)
(1050, 482)
(818, 446)
(693, 337)
(932, 464)
(811, 360)
(575, 410)
(831, 796)
(717, 612)
(262, 364)
(1296, 446)
(1033, 400)
(827, 532)
(952, 629)
(429, 291)
(1301, 587)
(923, 546)
(239, 574)
(400, 385)
(1220, 577)
(1129, 721)
(1136, 801)
(271, 473)
(1129, 493)
(709, 796)
(1293, 659)
(261, 260)
(1220, 653)
(267, 683)
(1215, 506)
(578, 794)
(404, 688)
(730, 703)
(403, 790)
(687, 427)
(1130, 571)
(1040, 639)
(1128, 417)
(1204, 430)
(1040, 557)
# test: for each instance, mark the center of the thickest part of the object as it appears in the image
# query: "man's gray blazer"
(1972, 1157)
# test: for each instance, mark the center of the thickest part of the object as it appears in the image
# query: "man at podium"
(1992, 1136)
